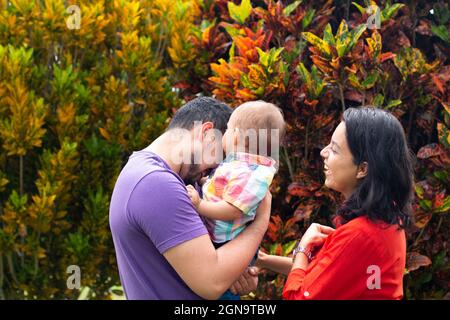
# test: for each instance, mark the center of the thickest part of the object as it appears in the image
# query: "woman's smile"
(326, 170)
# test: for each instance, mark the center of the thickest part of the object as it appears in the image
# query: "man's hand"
(193, 194)
(246, 283)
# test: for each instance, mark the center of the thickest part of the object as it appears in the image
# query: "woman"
(369, 163)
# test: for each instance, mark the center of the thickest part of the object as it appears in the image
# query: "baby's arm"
(221, 210)
(274, 263)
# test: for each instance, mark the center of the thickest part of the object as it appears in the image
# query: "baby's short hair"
(265, 120)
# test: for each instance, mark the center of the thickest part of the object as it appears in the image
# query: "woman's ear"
(363, 169)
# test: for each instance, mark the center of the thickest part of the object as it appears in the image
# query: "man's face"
(206, 153)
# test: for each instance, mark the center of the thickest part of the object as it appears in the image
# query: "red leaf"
(444, 73)
(428, 151)
(386, 56)
(439, 83)
(303, 212)
(438, 200)
(415, 260)
(421, 218)
(402, 40)
(296, 189)
(353, 96)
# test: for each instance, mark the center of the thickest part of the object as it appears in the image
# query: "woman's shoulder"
(364, 223)
(371, 232)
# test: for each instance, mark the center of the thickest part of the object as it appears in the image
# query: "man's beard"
(193, 175)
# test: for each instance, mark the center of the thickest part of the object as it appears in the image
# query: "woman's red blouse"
(359, 260)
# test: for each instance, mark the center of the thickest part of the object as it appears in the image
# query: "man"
(163, 249)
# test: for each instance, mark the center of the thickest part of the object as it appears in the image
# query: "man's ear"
(363, 170)
(207, 131)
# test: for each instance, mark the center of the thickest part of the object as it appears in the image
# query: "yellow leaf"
(105, 134)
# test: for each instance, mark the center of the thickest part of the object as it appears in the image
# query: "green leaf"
(304, 73)
(389, 11)
(393, 103)
(354, 81)
(442, 13)
(425, 204)
(284, 69)
(342, 38)
(240, 13)
(263, 57)
(370, 80)
(419, 190)
(246, 82)
(342, 30)
(268, 59)
(319, 83)
(441, 32)
(318, 43)
(18, 201)
(439, 260)
(328, 35)
(378, 100)
(288, 247)
(232, 51)
(290, 8)
(232, 31)
(441, 175)
(361, 9)
(307, 19)
(355, 35)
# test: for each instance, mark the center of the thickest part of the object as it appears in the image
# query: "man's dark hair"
(202, 109)
(377, 137)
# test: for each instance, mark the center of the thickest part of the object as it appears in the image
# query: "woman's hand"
(315, 236)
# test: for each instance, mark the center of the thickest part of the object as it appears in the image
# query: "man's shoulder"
(144, 177)
(147, 167)
(160, 180)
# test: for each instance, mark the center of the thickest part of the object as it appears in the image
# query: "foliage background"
(74, 104)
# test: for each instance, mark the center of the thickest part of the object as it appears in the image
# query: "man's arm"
(209, 272)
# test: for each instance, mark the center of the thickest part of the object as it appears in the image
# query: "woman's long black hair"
(386, 192)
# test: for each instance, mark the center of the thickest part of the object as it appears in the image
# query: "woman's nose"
(324, 152)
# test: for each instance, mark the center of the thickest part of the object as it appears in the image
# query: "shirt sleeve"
(341, 272)
(246, 189)
(160, 207)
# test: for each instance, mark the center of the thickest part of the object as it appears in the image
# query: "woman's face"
(341, 174)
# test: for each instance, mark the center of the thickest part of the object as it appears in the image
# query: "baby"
(233, 193)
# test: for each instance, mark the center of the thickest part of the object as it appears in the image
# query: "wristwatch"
(303, 250)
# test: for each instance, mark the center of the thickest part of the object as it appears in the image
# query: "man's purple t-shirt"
(151, 212)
